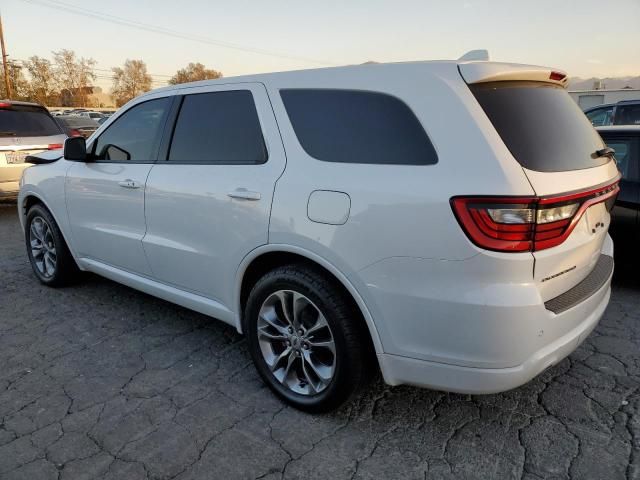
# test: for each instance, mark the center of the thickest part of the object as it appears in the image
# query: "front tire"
(48, 253)
(306, 338)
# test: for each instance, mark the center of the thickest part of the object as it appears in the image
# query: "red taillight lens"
(557, 76)
(525, 224)
(54, 146)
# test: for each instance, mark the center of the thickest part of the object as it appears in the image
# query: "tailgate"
(562, 156)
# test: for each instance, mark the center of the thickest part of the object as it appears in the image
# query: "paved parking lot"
(100, 381)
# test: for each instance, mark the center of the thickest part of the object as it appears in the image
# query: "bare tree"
(194, 72)
(19, 84)
(75, 77)
(130, 81)
(42, 85)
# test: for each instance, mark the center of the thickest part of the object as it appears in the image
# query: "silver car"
(25, 128)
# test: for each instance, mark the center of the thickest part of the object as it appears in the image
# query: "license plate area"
(15, 157)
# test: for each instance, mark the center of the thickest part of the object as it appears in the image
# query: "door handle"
(128, 183)
(244, 194)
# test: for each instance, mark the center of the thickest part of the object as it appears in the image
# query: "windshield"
(21, 121)
(541, 125)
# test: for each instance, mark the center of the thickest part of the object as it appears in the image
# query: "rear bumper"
(487, 340)
(398, 370)
(9, 190)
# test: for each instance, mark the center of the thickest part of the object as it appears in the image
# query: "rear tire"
(47, 250)
(306, 339)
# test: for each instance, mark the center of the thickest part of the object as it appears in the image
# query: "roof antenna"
(475, 56)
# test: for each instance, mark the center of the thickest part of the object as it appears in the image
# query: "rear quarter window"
(353, 126)
(541, 125)
(26, 121)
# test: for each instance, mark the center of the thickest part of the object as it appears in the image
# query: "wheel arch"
(31, 198)
(265, 258)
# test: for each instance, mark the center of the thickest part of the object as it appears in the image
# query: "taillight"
(525, 224)
(557, 76)
(54, 146)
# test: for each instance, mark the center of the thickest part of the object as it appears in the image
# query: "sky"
(585, 38)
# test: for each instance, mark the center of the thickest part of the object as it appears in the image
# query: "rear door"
(556, 145)
(208, 198)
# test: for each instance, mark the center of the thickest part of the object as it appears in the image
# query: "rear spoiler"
(481, 72)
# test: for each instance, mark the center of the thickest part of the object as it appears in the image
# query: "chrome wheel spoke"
(328, 344)
(296, 342)
(286, 304)
(277, 360)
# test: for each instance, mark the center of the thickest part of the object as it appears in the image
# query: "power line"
(57, 5)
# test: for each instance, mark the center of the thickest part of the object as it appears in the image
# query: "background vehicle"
(411, 218)
(626, 112)
(25, 129)
(77, 125)
(625, 140)
(97, 116)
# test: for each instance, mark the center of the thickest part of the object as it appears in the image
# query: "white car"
(444, 221)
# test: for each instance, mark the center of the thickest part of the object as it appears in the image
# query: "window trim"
(156, 150)
(170, 130)
(367, 91)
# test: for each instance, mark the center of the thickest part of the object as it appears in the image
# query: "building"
(87, 97)
(592, 98)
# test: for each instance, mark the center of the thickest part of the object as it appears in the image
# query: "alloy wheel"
(296, 342)
(43, 248)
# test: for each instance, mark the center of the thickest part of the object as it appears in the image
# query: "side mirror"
(115, 153)
(75, 148)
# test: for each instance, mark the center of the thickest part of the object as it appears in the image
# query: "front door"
(105, 195)
(208, 201)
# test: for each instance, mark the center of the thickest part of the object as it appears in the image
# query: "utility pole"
(5, 67)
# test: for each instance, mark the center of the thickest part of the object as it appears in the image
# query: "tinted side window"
(600, 116)
(622, 146)
(218, 127)
(628, 115)
(136, 133)
(626, 156)
(352, 126)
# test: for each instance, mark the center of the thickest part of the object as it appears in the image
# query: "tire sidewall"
(335, 392)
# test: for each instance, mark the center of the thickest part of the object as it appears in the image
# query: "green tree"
(194, 72)
(130, 81)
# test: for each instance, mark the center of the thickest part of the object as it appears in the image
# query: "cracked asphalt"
(100, 381)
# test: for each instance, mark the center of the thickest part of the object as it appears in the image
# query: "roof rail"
(475, 56)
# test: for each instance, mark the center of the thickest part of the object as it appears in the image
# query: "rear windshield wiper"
(7, 134)
(605, 152)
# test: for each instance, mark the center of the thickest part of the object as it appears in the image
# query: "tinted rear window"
(218, 127)
(27, 122)
(541, 125)
(352, 126)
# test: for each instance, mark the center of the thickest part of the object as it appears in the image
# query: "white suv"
(447, 220)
